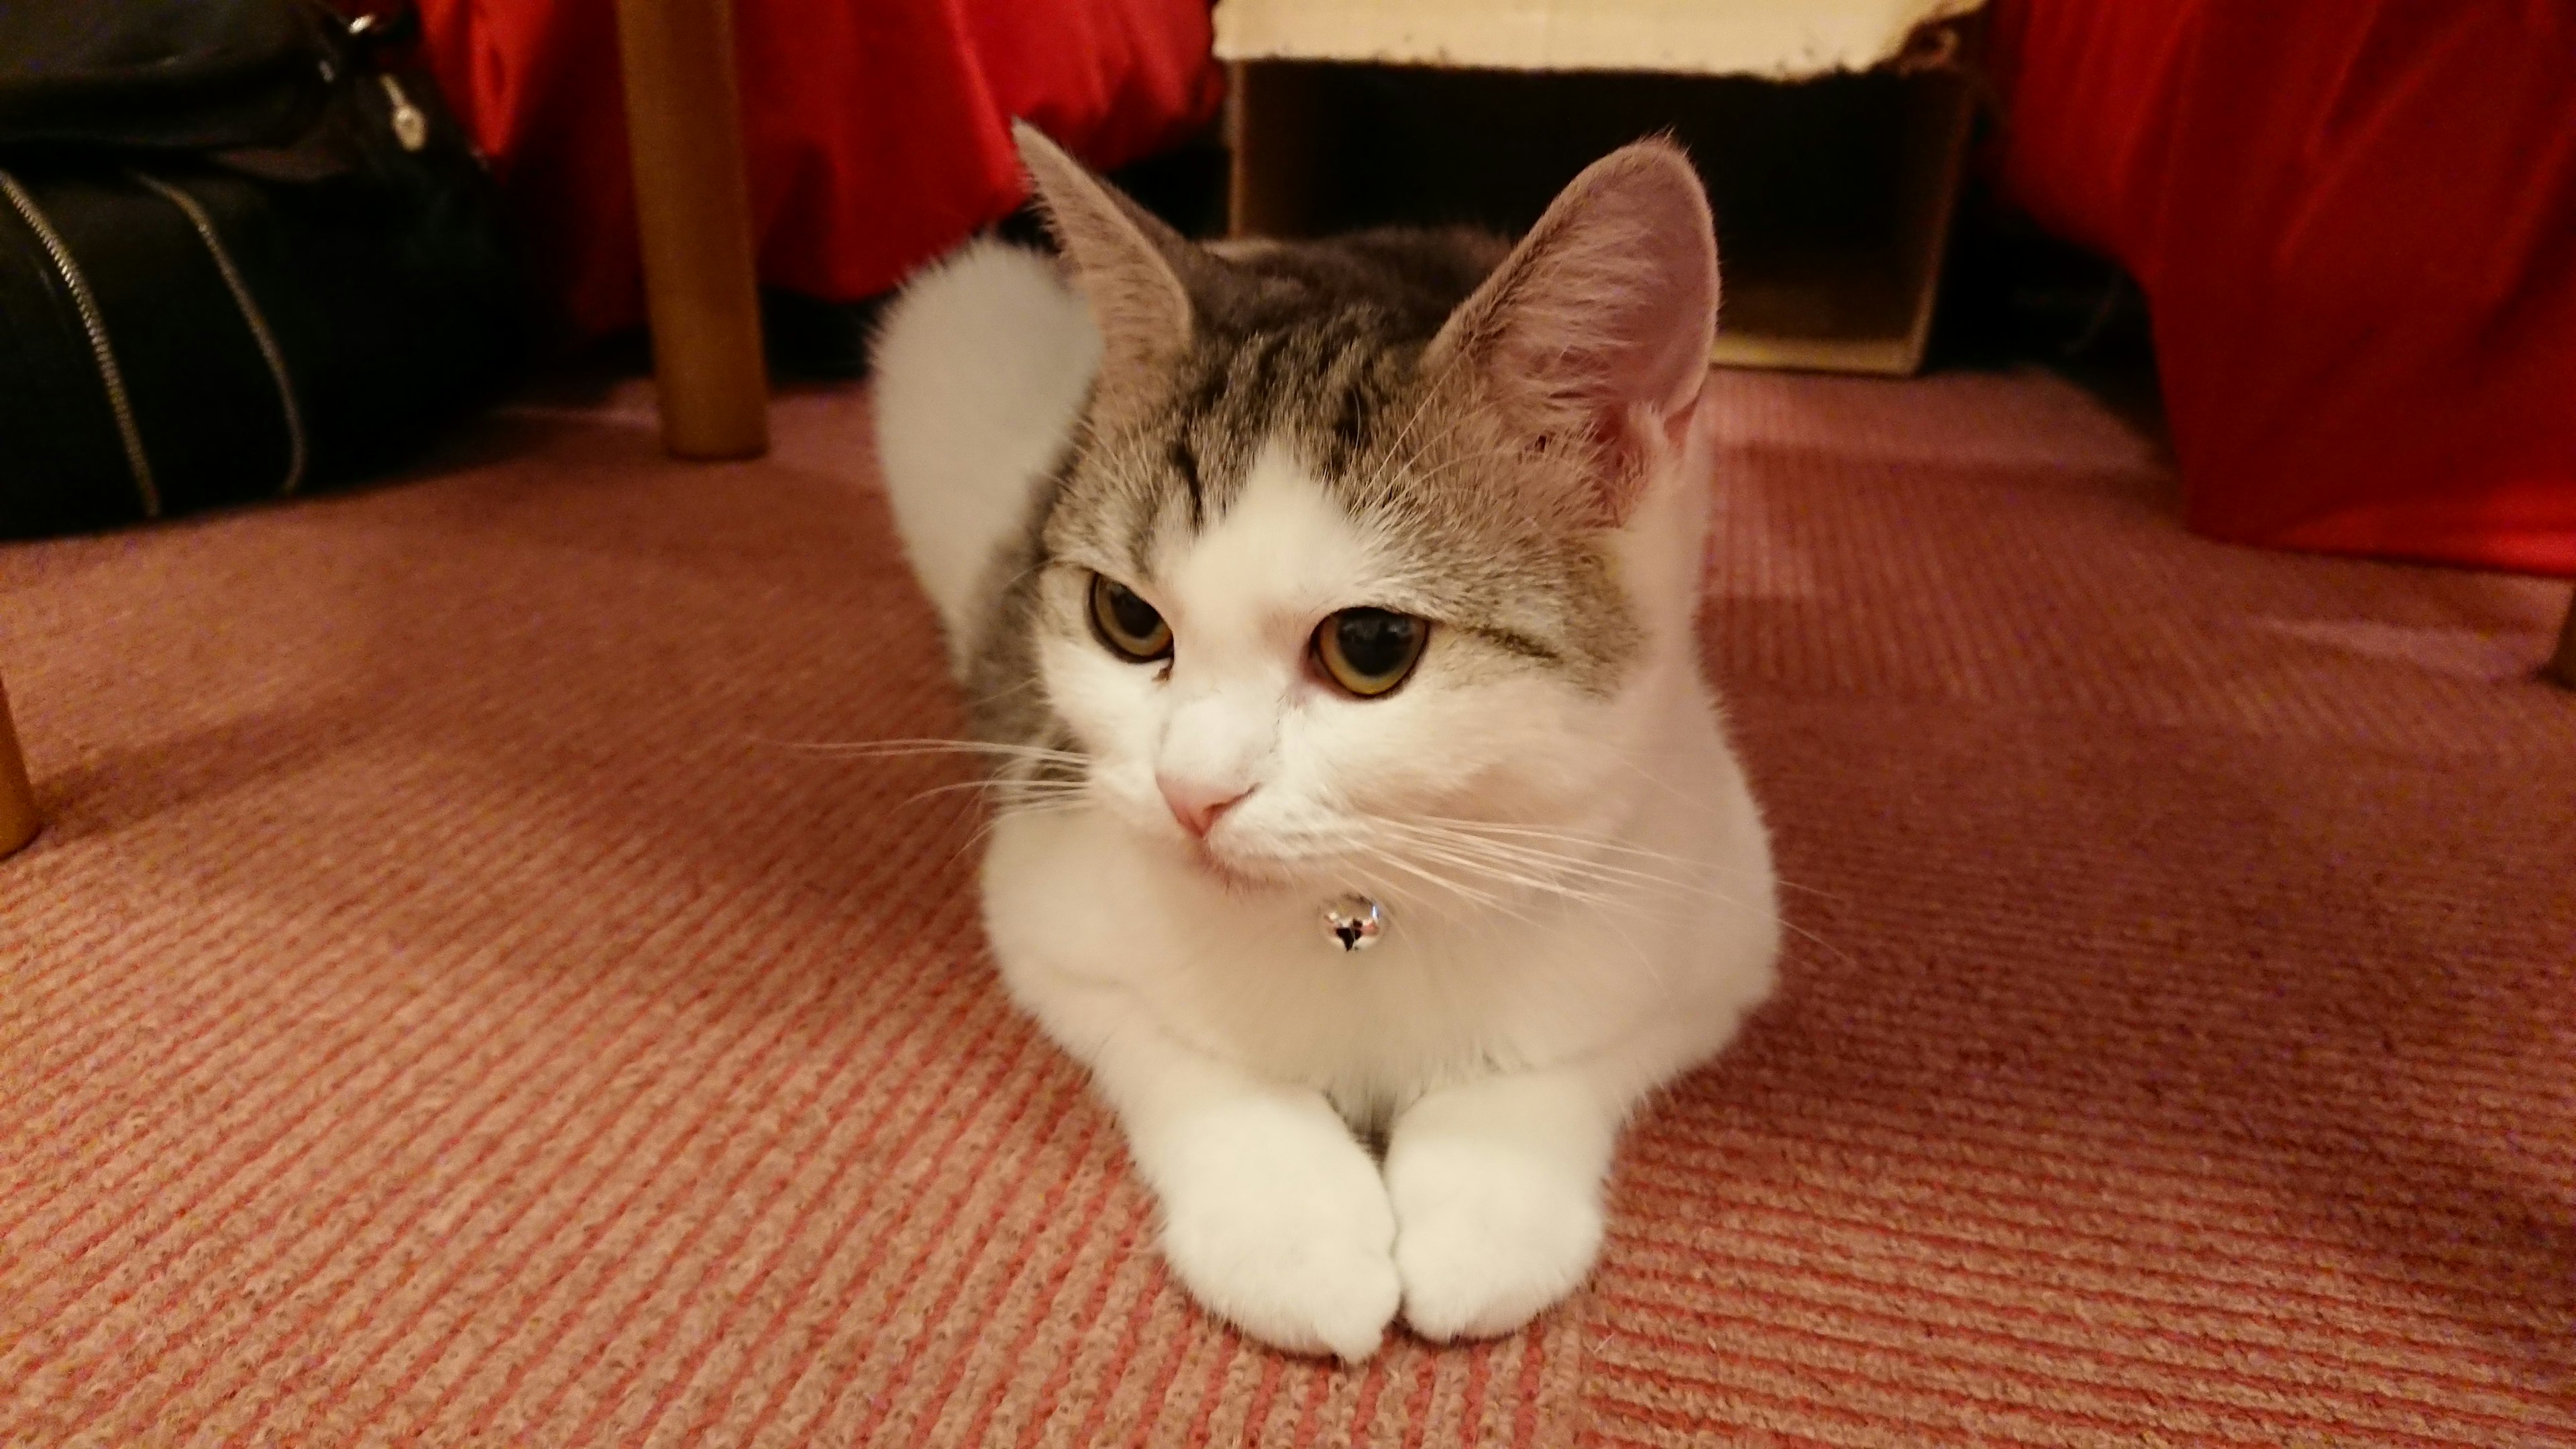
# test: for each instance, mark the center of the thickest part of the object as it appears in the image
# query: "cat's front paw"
(1486, 1238)
(1283, 1229)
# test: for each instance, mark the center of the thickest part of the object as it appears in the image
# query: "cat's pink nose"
(1197, 804)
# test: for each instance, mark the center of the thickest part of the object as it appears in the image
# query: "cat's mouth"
(1245, 861)
(1231, 869)
(1245, 870)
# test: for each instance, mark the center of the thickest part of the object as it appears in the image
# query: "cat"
(1278, 573)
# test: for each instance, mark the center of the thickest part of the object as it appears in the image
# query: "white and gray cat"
(1283, 572)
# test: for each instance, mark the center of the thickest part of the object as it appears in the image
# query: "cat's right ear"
(1126, 262)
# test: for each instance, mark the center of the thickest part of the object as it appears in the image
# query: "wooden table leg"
(693, 208)
(18, 818)
(2563, 667)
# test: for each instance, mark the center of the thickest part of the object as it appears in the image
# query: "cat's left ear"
(1598, 325)
(1126, 262)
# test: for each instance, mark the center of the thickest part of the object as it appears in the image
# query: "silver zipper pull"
(411, 125)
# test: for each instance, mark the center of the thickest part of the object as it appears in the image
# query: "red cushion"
(876, 131)
(2355, 222)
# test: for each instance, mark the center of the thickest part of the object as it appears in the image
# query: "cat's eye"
(1128, 626)
(1370, 651)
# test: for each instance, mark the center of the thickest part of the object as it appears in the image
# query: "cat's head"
(1365, 539)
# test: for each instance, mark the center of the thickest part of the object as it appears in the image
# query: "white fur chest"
(1081, 917)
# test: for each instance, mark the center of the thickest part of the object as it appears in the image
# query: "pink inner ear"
(1660, 307)
(1608, 306)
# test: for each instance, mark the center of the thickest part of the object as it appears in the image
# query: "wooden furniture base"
(693, 210)
(18, 819)
(2562, 666)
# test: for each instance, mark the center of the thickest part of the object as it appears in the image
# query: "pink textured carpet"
(444, 1011)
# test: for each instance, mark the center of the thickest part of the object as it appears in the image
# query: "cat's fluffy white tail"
(981, 367)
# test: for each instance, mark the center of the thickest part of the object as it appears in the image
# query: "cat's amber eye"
(1370, 651)
(1128, 626)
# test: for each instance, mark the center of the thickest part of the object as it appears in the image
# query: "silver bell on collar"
(1354, 922)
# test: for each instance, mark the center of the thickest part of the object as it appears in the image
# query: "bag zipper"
(410, 123)
(109, 374)
(259, 331)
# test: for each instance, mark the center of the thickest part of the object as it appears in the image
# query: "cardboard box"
(1832, 134)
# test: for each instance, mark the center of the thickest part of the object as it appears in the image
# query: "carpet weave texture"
(452, 1006)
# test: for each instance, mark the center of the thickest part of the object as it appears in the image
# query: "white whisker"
(1570, 878)
(1588, 843)
(888, 749)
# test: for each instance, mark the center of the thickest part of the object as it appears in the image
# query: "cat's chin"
(1244, 875)
(1242, 872)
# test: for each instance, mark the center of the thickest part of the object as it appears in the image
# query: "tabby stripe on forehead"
(1350, 406)
(1257, 387)
(1140, 541)
(1520, 644)
(1211, 385)
(1185, 461)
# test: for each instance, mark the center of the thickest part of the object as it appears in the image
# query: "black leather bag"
(245, 252)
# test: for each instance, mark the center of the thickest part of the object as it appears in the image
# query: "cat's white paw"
(1282, 1227)
(1487, 1238)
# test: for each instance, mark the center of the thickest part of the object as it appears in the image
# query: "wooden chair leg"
(2563, 667)
(18, 818)
(693, 210)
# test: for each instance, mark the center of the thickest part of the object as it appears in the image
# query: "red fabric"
(2355, 222)
(876, 130)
